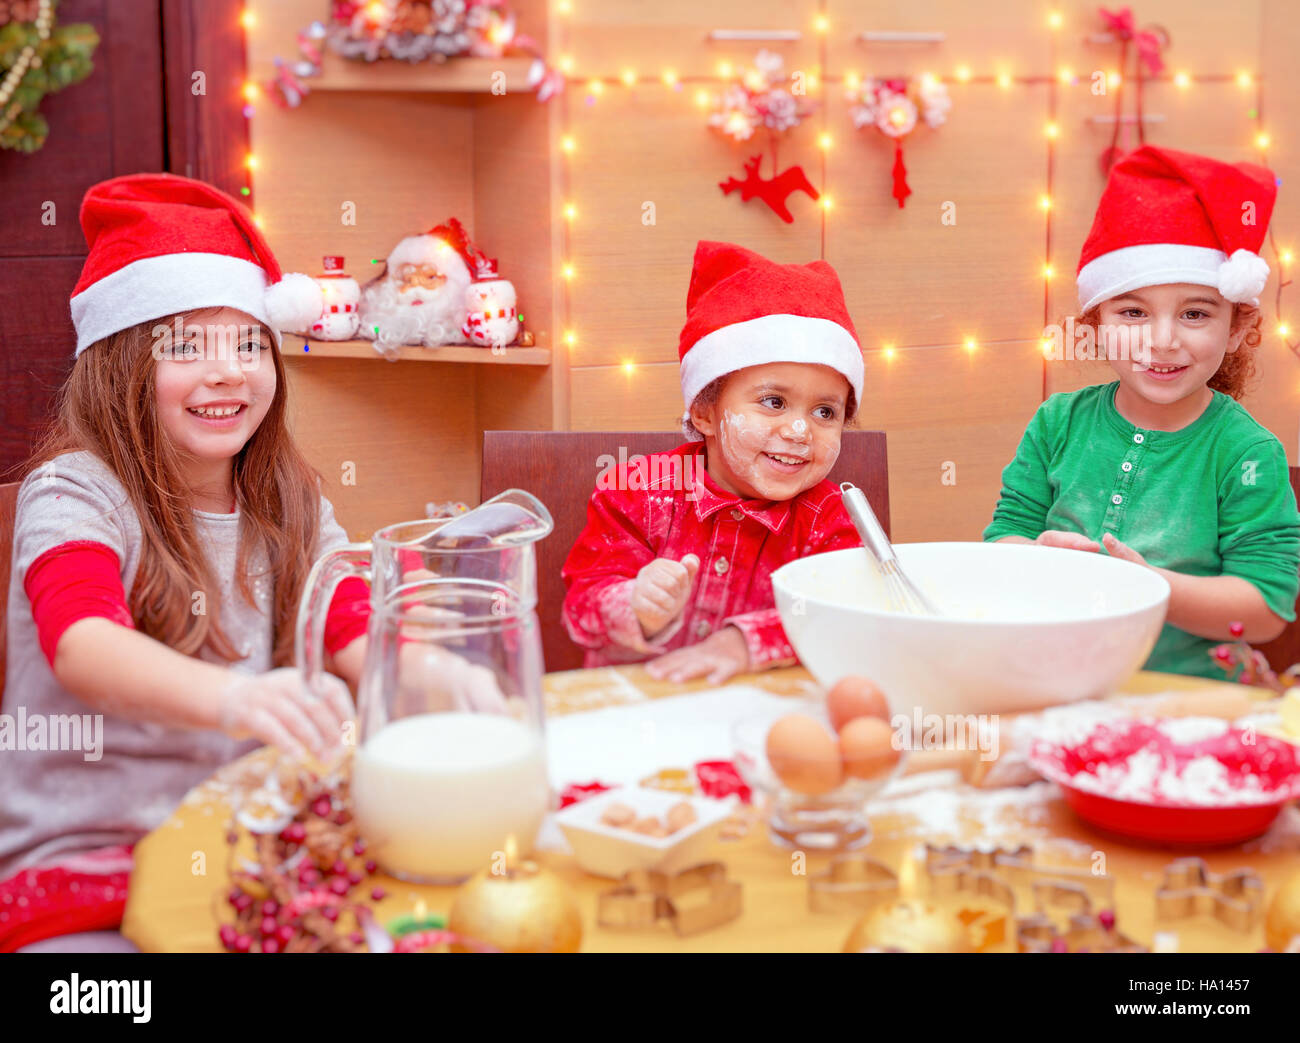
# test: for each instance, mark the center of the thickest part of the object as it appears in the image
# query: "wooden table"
(170, 904)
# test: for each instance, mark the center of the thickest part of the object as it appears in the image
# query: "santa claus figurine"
(419, 297)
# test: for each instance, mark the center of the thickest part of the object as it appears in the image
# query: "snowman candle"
(491, 319)
(342, 296)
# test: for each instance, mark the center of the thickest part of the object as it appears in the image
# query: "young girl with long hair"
(163, 534)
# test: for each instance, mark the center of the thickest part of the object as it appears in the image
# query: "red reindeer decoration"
(773, 191)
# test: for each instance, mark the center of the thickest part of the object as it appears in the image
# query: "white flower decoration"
(896, 114)
(782, 110)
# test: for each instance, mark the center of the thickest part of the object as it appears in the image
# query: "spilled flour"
(937, 805)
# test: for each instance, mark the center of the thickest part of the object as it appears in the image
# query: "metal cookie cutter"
(1016, 867)
(693, 900)
(851, 883)
(1188, 888)
(1086, 931)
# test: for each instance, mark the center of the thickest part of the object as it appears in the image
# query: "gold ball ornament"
(1282, 922)
(525, 910)
(909, 925)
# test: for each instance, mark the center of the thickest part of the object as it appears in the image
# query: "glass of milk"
(450, 759)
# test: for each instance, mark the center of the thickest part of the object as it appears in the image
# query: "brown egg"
(804, 755)
(867, 748)
(854, 697)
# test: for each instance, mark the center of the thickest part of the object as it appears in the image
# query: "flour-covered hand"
(661, 591)
(718, 657)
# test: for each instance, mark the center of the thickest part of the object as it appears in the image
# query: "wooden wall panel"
(914, 277)
(628, 293)
(1275, 399)
(612, 398)
(949, 411)
(1009, 37)
(649, 36)
(409, 429)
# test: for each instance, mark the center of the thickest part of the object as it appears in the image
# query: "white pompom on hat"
(161, 245)
(1174, 217)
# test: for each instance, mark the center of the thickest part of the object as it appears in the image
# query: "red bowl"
(1162, 821)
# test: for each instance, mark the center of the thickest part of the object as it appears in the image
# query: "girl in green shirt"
(1163, 467)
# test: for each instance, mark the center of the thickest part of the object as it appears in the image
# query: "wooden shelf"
(364, 349)
(455, 75)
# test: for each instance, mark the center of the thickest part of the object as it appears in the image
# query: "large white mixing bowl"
(1023, 626)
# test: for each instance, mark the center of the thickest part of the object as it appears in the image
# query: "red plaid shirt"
(666, 506)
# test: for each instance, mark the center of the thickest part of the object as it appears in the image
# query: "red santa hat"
(441, 246)
(161, 244)
(1173, 217)
(744, 310)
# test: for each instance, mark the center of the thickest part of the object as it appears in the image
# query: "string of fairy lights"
(669, 78)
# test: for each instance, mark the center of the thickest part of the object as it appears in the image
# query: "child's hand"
(719, 656)
(1068, 540)
(1116, 549)
(441, 680)
(277, 708)
(661, 591)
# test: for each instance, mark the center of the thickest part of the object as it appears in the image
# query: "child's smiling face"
(1190, 331)
(215, 383)
(774, 431)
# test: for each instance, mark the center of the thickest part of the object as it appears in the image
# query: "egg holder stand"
(855, 881)
(690, 901)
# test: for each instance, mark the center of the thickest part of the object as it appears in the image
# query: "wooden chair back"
(560, 469)
(8, 506)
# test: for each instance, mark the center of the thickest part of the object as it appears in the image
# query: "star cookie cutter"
(851, 883)
(1235, 899)
(694, 900)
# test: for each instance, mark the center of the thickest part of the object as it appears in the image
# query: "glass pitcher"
(450, 757)
(492, 542)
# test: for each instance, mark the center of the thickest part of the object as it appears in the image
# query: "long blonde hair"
(107, 407)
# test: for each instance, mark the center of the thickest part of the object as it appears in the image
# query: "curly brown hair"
(712, 391)
(1238, 367)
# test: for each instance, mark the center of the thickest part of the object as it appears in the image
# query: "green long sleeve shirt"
(1212, 499)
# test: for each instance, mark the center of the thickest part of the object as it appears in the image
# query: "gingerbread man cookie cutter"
(691, 901)
(1189, 888)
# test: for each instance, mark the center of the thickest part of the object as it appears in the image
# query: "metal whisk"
(904, 595)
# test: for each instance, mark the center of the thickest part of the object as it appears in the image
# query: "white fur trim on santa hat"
(425, 249)
(294, 303)
(1160, 264)
(156, 287)
(771, 338)
(1243, 276)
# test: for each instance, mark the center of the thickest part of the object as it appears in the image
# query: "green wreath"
(37, 59)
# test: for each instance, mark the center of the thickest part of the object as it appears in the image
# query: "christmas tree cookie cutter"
(694, 900)
(1188, 889)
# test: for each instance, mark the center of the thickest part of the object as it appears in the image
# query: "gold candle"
(516, 906)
